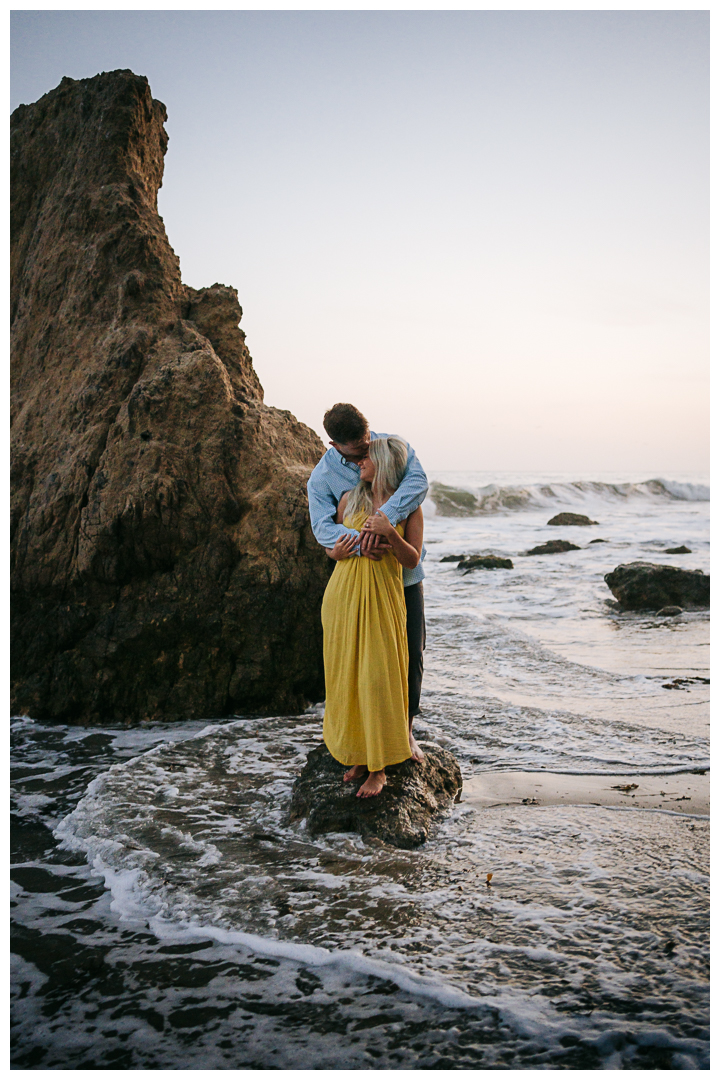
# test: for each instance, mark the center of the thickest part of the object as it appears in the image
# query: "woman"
(364, 627)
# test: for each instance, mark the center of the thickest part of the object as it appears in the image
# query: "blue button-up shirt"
(333, 476)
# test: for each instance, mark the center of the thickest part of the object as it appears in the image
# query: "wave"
(130, 890)
(473, 501)
(192, 842)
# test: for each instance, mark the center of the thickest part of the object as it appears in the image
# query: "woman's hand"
(344, 547)
(378, 524)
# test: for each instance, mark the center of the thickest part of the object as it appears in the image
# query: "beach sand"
(685, 793)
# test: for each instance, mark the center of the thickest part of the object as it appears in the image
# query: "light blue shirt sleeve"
(323, 508)
(411, 493)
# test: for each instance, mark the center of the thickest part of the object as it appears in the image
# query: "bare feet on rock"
(354, 773)
(416, 753)
(373, 785)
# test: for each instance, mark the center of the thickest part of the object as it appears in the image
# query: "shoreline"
(680, 793)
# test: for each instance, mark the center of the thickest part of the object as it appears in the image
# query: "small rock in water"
(682, 550)
(641, 586)
(485, 562)
(598, 541)
(400, 815)
(452, 558)
(571, 519)
(671, 609)
(551, 547)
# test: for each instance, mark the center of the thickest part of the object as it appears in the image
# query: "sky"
(486, 229)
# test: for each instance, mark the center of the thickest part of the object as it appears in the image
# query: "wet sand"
(684, 793)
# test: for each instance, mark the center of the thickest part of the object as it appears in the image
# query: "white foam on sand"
(132, 903)
(154, 828)
(530, 1016)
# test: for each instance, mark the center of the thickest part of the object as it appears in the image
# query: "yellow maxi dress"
(366, 661)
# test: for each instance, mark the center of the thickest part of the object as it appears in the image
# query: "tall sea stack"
(163, 565)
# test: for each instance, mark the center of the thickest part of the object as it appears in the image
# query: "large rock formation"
(163, 564)
(640, 586)
(401, 815)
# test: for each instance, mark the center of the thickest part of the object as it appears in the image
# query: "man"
(337, 472)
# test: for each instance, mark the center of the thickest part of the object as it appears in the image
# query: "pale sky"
(487, 229)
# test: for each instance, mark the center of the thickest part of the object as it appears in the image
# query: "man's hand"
(344, 547)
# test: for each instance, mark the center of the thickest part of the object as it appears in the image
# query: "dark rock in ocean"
(670, 610)
(571, 519)
(452, 558)
(641, 586)
(401, 815)
(682, 550)
(598, 541)
(485, 562)
(163, 565)
(552, 547)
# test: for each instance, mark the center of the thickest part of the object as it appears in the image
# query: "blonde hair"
(389, 456)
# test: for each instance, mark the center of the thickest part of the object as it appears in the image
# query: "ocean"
(167, 916)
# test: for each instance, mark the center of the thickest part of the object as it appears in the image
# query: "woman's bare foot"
(416, 753)
(354, 773)
(373, 785)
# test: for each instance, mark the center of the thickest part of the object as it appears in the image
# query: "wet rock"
(640, 586)
(553, 547)
(452, 558)
(571, 519)
(163, 565)
(485, 562)
(682, 550)
(685, 684)
(598, 541)
(401, 815)
(670, 610)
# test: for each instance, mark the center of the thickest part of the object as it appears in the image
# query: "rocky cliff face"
(163, 563)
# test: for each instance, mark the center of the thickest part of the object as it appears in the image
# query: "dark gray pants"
(415, 604)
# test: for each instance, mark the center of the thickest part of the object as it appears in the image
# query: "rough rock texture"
(162, 559)
(485, 562)
(552, 547)
(639, 586)
(571, 519)
(682, 550)
(400, 815)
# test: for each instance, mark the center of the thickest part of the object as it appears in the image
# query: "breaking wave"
(193, 842)
(472, 500)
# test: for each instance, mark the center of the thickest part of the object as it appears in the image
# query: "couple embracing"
(365, 496)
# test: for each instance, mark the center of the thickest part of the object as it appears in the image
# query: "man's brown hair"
(345, 424)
